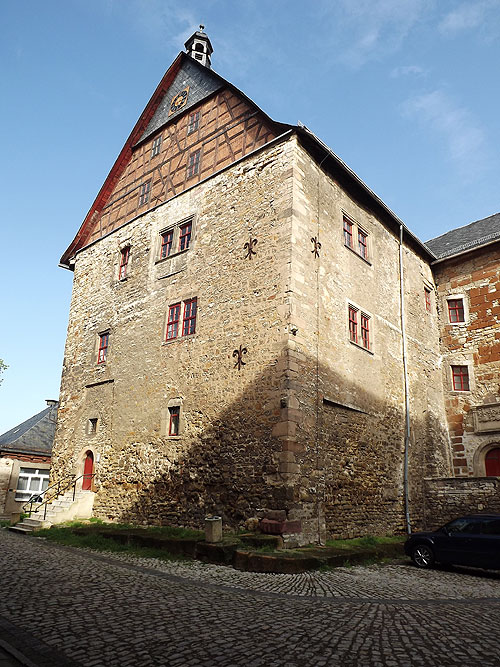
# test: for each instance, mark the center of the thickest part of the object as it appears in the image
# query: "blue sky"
(405, 91)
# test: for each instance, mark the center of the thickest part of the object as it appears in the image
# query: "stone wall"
(5, 475)
(476, 344)
(447, 499)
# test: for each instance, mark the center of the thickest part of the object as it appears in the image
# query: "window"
(102, 352)
(363, 244)
(456, 310)
(348, 233)
(185, 236)
(144, 191)
(194, 164)
(155, 148)
(460, 375)
(173, 425)
(353, 324)
(365, 331)
(124, 255)
(194, 122)
(427, 296)
(92, 426)
(31, 482)
(173, 321)
(189, 321)
(167, 239)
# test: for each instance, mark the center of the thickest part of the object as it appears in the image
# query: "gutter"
(406, 387)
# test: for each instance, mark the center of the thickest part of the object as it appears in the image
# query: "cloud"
(408, 70)
(463, 137)
(467, 16)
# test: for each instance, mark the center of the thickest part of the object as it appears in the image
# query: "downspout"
(407, 395)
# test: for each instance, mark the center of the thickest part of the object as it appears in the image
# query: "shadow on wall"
(349, 460)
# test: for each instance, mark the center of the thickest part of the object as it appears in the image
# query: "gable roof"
(33, 436)
(467, 238)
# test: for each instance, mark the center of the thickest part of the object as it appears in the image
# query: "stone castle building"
(253, 333)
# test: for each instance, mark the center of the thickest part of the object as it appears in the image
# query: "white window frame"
(29, 474)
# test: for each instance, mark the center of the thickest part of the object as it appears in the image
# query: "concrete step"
(21, 528)
(36, 523)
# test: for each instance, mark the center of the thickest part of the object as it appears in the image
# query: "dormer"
(198, 46)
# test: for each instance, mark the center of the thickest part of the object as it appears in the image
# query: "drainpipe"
(405, 373)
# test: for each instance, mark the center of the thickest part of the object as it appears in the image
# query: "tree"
(3, 366)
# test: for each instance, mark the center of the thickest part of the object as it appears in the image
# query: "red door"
(492, 462)
(88, 468)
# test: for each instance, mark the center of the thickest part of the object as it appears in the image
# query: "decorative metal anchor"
(239, 353)
(317, 246)
(249, 247)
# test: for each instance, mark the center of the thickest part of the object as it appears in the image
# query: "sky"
(405, 91)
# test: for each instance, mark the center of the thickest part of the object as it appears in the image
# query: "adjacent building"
(253, 333)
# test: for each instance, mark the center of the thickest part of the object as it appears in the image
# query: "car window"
(464, 526)
(490, 526)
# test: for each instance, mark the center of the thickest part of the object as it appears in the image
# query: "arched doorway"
(492, 462)
(88, 469)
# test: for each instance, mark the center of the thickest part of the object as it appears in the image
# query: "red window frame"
(353, 324)
(174, 313)
(427, 296)
(460, 375)
(194, 122)
(348, 233)
(194, 163)
(456, 310)
(365, 331)
(102, 351)
(363, 244)
(167, 240)
(156, 147)
(189, 319)
(185, 235)
(144, 192)
(173, 425)
(124, 256)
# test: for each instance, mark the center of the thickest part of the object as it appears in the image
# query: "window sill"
(172, 254)
(354, 252)
(178, 339)
(365, 349)
(173, 437)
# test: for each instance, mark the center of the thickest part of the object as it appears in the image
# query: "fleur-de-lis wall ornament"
(317, 246)
(239, 354)
(249, 247)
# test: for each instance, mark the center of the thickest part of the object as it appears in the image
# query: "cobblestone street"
(62, 606)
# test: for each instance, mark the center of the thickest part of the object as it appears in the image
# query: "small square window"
(185, 236)
(189, 320)
(167, 239)
(194, 121)
(144, 192)
(194, 163)
(427, 296)
(124, 257)
(174, 414)
(173, 321)
(460, 375)
(456, 310)
(102, 352)
(353, 324)
(92, 426)
(348, 233)
(155, 148)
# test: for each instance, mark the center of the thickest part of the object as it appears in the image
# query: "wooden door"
(88, 469)
(492, 463)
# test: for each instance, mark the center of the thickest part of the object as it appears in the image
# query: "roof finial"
(198, 46)
(202, 27)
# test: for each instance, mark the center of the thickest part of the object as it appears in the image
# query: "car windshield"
(464, 525)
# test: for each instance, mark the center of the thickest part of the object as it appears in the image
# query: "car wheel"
(422, 555)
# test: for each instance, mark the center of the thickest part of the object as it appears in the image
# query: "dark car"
(471, 540)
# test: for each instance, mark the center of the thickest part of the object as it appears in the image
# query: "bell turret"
(198, 46)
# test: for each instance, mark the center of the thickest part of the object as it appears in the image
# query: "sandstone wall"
(447, 499)
(476, 344)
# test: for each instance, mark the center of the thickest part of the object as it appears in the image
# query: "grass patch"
(5, 524)
(368, 541)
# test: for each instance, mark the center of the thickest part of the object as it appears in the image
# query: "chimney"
(50, 402)
(198, 46)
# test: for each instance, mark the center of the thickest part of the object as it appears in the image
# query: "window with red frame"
(189, 320)
(365, 331)
(194, 163)
(167, 239)
(124, 256)
(460, 376)
(427, 294)
(144, 191)
(185, 235)
(353, 324)
(348, 233)
(102, 352)
(456, 310)
(175, 413)
(174, 313)
(194, 122)
(363, 244)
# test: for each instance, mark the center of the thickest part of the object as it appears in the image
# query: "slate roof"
(34, 436)
(466, 238)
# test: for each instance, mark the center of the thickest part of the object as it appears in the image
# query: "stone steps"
(59, 510)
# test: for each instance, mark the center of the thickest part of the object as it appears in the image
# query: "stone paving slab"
(104, 610)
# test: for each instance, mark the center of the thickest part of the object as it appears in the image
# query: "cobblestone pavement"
(94, 609)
